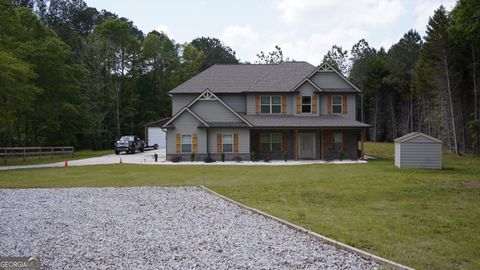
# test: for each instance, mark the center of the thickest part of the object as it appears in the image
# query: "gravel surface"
(153, 227)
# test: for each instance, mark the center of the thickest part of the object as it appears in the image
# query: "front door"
(307, 145)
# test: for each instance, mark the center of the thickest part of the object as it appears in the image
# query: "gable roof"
(259, 78)
(413, 135)
(186, 109)
(326, 67)
(240, 78)
(207, 94)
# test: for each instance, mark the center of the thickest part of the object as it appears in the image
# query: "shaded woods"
(73, 75)
(427, 84)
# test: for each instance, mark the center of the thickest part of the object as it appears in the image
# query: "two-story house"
(293, 109)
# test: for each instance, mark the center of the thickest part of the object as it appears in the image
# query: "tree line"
(73, 75)
(427, 84)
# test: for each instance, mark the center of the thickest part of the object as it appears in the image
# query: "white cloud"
(239, 36)
(163, 29)
(424, 10)
(316, 45)
(342, 13)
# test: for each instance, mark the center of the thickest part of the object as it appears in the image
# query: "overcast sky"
(304, 29)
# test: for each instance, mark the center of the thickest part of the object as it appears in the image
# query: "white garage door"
(156, 136)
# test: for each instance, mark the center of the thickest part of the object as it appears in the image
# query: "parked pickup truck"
(129, 144)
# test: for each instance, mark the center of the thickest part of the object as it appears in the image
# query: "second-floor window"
(306, 104)
(336, 104)
(270, 104)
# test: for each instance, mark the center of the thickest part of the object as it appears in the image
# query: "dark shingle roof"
(286, 121)
(247, 78)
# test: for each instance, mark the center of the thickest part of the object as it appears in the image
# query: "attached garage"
(418, 150)
(154, 134)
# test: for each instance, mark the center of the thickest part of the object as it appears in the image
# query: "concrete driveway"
(146, 157)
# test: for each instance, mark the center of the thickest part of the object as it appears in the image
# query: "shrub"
(176, 159)
(252, 156)
(192, 157)
(341, 155)
(266, 160)
(237, 158)
(223, 157)
(285, 156)
(209, 159)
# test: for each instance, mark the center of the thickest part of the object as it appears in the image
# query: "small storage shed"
(418, 150)
(154, 133)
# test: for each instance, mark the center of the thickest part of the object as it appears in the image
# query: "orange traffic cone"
(66, 163)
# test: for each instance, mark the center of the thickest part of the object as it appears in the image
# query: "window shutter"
(194, 143)
(344, 104)
(329, 104)
(257, 104)
(299, 104)
(344, 142)
(178, 143)
(314, 103)
(284, 104)
(219, 142)
(235, 142)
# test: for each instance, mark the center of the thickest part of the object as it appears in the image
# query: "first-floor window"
(336, 104)
(227, 141)
(337, 142)
(186, 143)
(270, 142)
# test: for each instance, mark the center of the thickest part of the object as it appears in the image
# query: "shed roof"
(289, 121)
(413, 135)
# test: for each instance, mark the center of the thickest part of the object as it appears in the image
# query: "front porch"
(307, 144)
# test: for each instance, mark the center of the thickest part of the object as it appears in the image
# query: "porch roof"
(292, 121)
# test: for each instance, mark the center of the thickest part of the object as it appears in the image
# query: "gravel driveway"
(153, 227)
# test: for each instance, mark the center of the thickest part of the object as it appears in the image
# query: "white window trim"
(271, 104)
(181, 142)
(341, 141)
(301, 105)
(271, 141)
(231, 134)
(341, 104)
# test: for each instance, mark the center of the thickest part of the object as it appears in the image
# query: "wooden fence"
(7, 153)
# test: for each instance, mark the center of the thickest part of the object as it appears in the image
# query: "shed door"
(156, 136)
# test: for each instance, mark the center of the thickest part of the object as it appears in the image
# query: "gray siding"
(250, 99)
(235, 101)
(181, 100)
(243, 139)
(306, 89)
(419, 155)
(329, 80)
(186, 123)
(214, 111)
(351, 106)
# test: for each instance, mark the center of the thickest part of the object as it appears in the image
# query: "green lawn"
(77, 155)
(425, 219)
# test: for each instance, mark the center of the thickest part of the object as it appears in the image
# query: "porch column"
(362, 138)
(295, 146)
